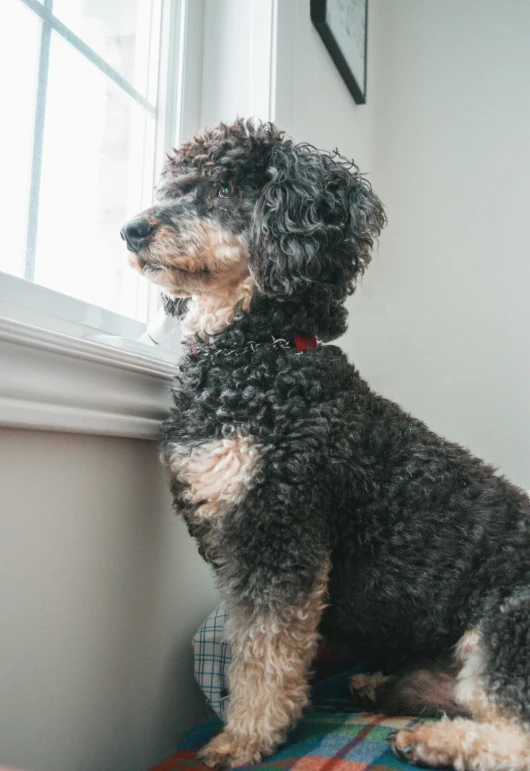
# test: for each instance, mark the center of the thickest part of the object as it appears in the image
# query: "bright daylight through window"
(83, 142)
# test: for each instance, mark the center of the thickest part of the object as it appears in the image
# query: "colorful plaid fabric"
(330, 737)
(211, 660)
(321, 742)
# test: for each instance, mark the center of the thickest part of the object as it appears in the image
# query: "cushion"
(322, 741)
(333, 735)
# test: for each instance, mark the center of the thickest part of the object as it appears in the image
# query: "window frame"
(181, 38)
(56, 374)
(52, 378)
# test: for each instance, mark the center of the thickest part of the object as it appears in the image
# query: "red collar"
(300, 343)
(304, 343)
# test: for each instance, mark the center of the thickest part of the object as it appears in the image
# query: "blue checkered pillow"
(212, 658)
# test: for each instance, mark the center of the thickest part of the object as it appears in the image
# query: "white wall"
(101, 591)
(323, 110)
(442, 324)
(307, 97)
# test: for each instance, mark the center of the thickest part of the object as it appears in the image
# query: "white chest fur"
(217, 474)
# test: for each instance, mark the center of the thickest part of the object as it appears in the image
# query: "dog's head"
(242, 209)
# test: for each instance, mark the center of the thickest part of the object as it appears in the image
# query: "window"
(94, 93)
(90, 92)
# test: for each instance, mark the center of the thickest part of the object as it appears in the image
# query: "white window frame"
(68, 365)
(58, 370)
(63, 310)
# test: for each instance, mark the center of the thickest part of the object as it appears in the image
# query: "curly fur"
(425, 541)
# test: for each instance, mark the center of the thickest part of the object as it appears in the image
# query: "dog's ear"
(314, 224)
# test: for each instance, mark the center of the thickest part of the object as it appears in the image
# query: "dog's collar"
(300, 342)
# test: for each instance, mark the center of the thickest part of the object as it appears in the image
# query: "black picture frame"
(318, 17)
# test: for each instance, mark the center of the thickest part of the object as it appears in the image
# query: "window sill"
(54, 381)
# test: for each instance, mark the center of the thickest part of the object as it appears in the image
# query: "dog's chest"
(236, 423)
(213, 456)
(212, 476)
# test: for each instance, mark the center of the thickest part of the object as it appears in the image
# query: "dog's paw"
(423, 745)
(363, 688)
(224, 751)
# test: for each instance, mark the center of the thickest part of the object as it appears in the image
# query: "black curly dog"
(323, 507)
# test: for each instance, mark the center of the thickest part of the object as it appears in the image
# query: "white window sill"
(54, 381)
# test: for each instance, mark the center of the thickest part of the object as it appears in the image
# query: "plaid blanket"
(332, 736)
(320, 742)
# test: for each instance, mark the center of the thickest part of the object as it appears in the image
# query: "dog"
(324, 508)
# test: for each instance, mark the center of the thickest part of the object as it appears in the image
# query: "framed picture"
(342, 25)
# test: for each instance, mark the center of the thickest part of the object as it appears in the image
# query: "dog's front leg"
(272, 650)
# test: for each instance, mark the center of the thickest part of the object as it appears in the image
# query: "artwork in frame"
(343, 25)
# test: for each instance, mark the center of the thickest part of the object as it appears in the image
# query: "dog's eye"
(226, 191)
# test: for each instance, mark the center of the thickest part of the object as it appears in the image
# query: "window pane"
(97, 171)
(124, 32)
(19, 51)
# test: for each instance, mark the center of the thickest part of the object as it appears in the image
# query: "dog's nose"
(135, 233)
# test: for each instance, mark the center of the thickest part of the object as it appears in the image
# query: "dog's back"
(427, 535)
